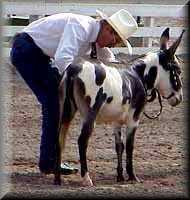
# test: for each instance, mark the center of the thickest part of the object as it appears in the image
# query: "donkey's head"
(164, 70)
(170, 85)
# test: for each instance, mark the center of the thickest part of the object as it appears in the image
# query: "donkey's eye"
(178, 70)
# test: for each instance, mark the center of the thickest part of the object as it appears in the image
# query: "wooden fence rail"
(150, 14)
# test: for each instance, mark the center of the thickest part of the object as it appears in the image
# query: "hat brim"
(106, 17)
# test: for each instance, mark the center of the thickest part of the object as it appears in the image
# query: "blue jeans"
(35, 68)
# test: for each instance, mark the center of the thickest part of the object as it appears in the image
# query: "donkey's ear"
(175, 45)
(164, 39)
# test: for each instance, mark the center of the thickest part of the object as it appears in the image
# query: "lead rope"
(154, 93)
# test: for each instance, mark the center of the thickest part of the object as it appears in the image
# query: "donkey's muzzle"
(175, 100)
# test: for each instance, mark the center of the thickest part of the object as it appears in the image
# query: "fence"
(150, 13)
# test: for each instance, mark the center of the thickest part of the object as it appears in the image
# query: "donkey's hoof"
(87, 182)
(133, 179)
(57, 181)
(120, 178)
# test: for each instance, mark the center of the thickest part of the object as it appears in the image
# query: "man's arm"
(72, 39)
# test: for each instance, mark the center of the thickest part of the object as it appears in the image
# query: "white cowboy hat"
(123, 23)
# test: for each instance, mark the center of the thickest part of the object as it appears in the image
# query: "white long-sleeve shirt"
(66, 36)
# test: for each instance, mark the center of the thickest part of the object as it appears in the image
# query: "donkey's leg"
(67, 117)
(57, 174)
(62, 96)
(62, 139)
(63, 135)
(129, 153)
(67, 113)
(86, 131)
(87, 128)
(119, 146)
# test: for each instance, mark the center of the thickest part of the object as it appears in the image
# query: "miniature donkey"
(106, 94)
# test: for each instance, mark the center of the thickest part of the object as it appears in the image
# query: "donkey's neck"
(147, 70)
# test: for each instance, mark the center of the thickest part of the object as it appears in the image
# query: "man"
(62, 38)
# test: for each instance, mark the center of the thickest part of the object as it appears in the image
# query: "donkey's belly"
(110, 113)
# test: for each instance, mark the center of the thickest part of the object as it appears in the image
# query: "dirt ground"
(159, 157)
(160, 153)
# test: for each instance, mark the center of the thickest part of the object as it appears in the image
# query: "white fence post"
(149, 22)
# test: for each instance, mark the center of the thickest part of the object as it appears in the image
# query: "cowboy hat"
(123, 23)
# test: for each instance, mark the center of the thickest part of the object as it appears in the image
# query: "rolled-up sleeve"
(72, 39)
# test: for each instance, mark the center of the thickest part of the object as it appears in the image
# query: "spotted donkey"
(106, 94)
